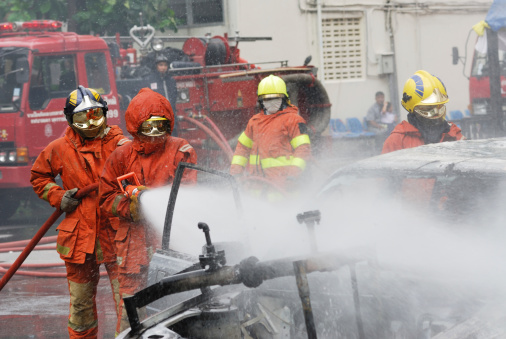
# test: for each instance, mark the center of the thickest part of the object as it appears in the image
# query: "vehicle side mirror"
(22, 70)
(455, 55)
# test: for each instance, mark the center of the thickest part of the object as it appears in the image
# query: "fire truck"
(40, 66)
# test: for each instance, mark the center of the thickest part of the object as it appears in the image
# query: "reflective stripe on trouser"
(278, 162)
(82, 281)
(129, 284)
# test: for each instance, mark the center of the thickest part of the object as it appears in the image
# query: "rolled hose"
(216, 139)
(34, 241)
(319, 118)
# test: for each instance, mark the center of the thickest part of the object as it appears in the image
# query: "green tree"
(104, 17)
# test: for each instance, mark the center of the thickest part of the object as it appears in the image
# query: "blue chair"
(456, 115)
(338, 129)
(467, 114)
(355, 126)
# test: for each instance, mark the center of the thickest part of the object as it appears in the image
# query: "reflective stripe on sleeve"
(239, 160)
(300, 140)
(46, 190)
(114, 209)
(245, 141)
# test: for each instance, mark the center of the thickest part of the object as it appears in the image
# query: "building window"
(343, 48)
(197, 12)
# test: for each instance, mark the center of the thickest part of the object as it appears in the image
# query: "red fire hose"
(45, 227)
(216, 139)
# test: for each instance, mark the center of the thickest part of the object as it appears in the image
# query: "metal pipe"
(299, 268)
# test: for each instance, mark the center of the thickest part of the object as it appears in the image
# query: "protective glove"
(135, 212)
(68, 203)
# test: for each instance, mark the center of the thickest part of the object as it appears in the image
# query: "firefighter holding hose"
(85, 236)
(275, 144)
(151, 160)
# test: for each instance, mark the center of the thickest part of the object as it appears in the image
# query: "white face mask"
(272, 105)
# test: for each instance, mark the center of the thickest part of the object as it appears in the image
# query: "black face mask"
(431, 129)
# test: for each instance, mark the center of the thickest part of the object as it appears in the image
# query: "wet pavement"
(37, 306)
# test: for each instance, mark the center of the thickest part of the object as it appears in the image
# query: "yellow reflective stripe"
(239, 160)
(62, 249)
(299, 162)
(46, 190)
(283, 161)
(276, 162)
(253, 159)
(114, 209)
(300, 140)
(245, 141)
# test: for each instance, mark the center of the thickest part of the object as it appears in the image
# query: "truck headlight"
(480, 107)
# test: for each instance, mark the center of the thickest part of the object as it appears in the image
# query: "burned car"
(402, 245)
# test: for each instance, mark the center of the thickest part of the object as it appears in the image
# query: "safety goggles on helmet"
(88, 118)
(431, 111)
(155, 126)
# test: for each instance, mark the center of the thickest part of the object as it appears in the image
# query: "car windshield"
(11, 85)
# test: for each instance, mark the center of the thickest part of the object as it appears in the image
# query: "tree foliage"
(104, 17)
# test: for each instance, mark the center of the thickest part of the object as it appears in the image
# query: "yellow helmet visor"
(436, 97)
(91, 117)
(431, 111)
(155, 126)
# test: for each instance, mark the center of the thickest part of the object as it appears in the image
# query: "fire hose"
(223, 145)
(34, 241)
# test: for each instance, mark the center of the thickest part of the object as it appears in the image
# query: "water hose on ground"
(34, 241)
(45, 240)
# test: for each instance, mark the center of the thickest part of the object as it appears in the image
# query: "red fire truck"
(40, 66)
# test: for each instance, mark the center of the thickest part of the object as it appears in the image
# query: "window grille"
(343, 50)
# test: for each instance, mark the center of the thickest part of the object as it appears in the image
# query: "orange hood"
(144, 105)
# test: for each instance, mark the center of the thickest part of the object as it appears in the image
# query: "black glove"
(68, 203)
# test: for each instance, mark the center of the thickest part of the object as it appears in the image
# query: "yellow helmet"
(272, 87)
(425, 95)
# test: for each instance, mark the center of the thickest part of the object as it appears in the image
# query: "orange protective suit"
(85, 236)
(406, 135)
(155, 165)
(274, 146)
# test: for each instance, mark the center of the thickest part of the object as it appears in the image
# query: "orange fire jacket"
(154, 165)
(274, 146)
(406, 135)
(79, 163)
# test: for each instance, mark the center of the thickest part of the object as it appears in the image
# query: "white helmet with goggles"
(86, 112)
(155, 126)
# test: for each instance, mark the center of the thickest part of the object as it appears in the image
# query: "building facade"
(360, 47)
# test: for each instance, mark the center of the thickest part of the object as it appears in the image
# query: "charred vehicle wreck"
(424, 288)
(221, 294)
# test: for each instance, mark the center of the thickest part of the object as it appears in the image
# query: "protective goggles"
(155, 126)
(431, 111)
(88, 118)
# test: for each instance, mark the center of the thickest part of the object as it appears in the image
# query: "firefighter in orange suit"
(275, 144)
(85, 236)
(424, 97)
(153, 156)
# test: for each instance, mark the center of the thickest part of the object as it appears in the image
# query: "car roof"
(486, 157)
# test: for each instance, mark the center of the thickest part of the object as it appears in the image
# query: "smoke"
(451, 261)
